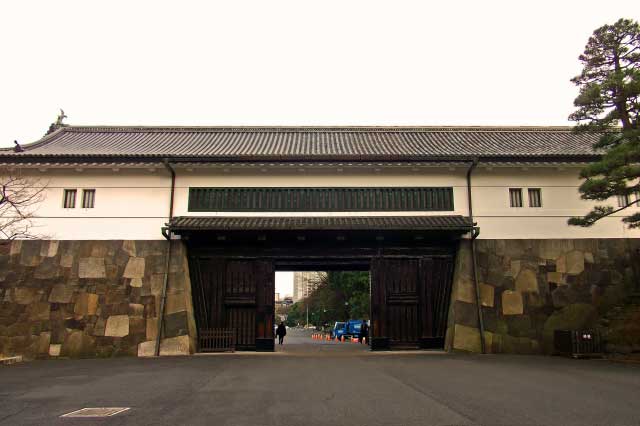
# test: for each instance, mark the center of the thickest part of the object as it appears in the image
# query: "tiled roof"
(309, 143)
(263, 223)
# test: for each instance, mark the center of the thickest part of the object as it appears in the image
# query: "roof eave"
(53, 159)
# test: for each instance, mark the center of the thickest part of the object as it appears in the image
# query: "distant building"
(305, 283)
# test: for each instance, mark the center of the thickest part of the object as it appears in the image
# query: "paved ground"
(325, 384)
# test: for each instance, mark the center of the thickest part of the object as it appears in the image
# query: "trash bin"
(578, 343)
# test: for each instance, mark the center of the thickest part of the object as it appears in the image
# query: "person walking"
(364, 332)
(281, 332)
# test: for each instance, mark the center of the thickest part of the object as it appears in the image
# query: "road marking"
(97, 412)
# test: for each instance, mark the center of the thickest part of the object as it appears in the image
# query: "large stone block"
(575, 262)
(30, 253)
(175, 346)
(561, 297)
(176, 324)
(98, 249)
(151, 305)
(99, 327)
(91, 267)
(39, 311)
(465, 291)
(466, 314)
(155, 264)
(49, 248)
(527, 281)
(520, 326)
(129, 247)
(557, 278)
(117, 326)
(134, 268)
(176, 283)
(16, 247)
(61, 293)
(571, 263)
(157, 282)
(466, 338)
(152, 328)
(588, 257)
(175, 303)
(517, 345)
(47, 270)
(54, 349)
(512, 303)
(87, 304)
(77, 344)
(551, 249)
(487, 295)
(514, 269)
(66, 260)
(136, 310)
(44, 340)
(147, 349)
(138, 327)
(25, 295)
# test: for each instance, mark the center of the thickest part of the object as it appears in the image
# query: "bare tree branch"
(19, 199)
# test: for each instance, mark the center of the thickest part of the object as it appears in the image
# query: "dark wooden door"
(436, 274)
(237, 294)
(410, 301)
(395, 302)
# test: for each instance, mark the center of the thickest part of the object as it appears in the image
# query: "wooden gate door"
(409, 302)
(238, 295)
(395, 303)
(437, 275)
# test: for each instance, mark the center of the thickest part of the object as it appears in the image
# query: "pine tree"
(608, 104)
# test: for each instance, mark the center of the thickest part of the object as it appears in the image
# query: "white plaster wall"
(129, 204)
(560, 201)
(133, 203)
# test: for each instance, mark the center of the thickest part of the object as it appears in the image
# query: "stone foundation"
(93, 299)
(101, 298)
(529, 288)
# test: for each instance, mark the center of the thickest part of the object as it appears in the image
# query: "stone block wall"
(529, 288)
(92, 299)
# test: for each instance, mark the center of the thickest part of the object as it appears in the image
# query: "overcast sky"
(292, 62)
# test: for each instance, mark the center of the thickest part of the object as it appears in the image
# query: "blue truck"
(349, 329)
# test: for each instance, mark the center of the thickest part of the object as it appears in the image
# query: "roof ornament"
(58, 123)
(18, 147)
(60, 118)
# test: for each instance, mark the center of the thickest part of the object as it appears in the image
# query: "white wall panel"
(134, 203)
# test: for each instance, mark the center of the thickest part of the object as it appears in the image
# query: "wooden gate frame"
(431, 261)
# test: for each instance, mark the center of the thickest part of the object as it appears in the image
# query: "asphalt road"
(323, 383)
